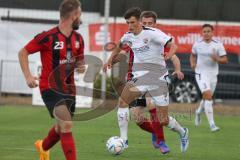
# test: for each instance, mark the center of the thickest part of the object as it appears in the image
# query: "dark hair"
(207, 25)
(133, 12)
(149, 14)
(67, 6)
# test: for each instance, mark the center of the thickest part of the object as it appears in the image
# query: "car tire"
(185, 92)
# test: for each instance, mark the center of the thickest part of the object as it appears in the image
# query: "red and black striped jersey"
(130, 61)
(59, 57)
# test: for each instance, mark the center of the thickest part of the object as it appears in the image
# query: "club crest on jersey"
(77, 44)
(145, 40)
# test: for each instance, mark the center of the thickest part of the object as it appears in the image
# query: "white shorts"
(206, 81)
(162, 100)
(157, 89)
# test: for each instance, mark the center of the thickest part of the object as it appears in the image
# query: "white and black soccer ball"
(115, 145)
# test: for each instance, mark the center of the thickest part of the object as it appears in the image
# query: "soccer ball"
(115, 145)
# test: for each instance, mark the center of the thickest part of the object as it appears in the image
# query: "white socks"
(200, 109)
(123, 118)
(209, 111)
(175, 126)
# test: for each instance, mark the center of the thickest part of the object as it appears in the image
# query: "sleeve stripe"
(170, 40)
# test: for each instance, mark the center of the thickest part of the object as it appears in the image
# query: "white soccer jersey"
(204, 50)
(147, 46)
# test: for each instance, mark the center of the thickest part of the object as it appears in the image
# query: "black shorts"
(53, 99)
(140, 102)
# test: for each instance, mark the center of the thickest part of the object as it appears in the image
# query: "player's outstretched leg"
(171, 123)
(137, 114)
(64, 120)
(43, 154)
(207, 96)
(43, 146)
(183, 133)
(158, 139)
(209, 113)
(145, 124)
(123, 119)
(129, 94)
(198, 112)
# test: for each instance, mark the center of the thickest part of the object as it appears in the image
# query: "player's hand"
(81, 69)
(215, 57)
(80, 66)
(179, 74)
(32, 81)
(107, 66)
(166, 56)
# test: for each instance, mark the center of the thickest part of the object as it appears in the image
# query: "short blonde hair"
(67, 6)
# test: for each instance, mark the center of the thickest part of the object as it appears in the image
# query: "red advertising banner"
(184, 35)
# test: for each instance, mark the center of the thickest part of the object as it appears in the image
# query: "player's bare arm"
(113, 58)
(219, 59)
(172, 51)
(118, 57)
(24, 63)
(177, 67)
(193, 60)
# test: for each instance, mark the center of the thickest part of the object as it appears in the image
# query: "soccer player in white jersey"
(147, 45)
(148, 19)
(207, 53)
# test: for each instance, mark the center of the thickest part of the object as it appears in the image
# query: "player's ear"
(73, 15)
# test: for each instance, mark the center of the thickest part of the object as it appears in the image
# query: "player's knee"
(134, 118)
(66, 126)
(151, 107)
(164, 121)
(138, 119)
(207, 95)
(57, 128)
(122, 103)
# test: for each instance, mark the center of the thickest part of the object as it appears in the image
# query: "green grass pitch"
(21, 126)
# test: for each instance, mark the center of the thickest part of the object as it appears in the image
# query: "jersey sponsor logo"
(67, 61)
(77, 44)
(59, 45)
(144, 48)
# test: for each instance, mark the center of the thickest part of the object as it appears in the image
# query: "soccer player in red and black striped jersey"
(61, 49)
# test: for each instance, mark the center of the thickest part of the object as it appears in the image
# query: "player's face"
(133, 24)
(207, 33)
(148, 22)
(76, 19)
